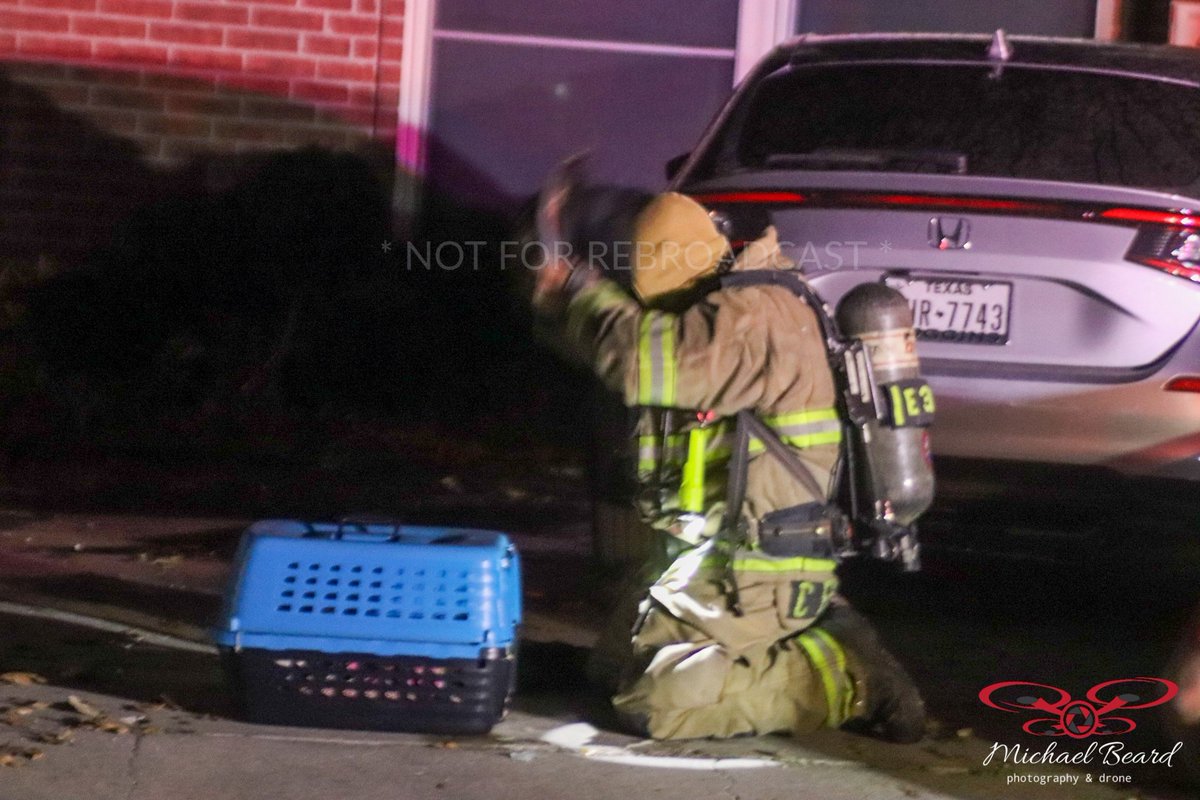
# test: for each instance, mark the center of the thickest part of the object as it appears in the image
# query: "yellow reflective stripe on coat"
(794, 564)
(801, 417)
(691, 490)
(805, 428)
(656, 359)
(770, 565)
(798, 429)
(829, 662)
(652, 452)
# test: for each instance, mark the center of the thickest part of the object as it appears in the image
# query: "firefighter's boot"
(887, 703)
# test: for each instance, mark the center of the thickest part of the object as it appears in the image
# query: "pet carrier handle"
(359, 529)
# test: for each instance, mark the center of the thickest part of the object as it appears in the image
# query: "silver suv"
(1033, 198)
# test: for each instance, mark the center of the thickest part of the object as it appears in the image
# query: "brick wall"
(105, 103)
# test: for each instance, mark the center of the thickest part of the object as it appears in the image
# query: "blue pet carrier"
(372, 625)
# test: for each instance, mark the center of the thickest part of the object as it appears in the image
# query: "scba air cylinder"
(893, 449)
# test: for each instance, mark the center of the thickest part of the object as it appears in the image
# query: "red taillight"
(1187, 383)
(947, 201)
(724, 198)
(1179, 270)
(1166, 240)
(1178, 219)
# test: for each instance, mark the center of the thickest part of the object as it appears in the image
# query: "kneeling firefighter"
(737, 626)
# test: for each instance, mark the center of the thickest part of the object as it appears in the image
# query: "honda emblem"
(949, 233)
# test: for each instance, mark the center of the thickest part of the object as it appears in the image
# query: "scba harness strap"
(789, 539)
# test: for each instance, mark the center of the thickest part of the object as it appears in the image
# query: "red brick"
(366, 48)
(270, 109)
(206, 58)
(362, 95)
(213, 106)
(281, 18)
(65, 94)
(392, 31)
(109, 27)
(323, 92)
(118, 97)
(182, 150)
(176, 84)
(8, 42)
(73, 5)
(175, 125)
(393, 8)
(213, 12)
(251, 131)
(33, 72)
(354, 24)
(334, 139)
(185, 34)
(346, 70)
(129, 51)
(392, 51)
(33, 21)
(368, 6)
(263, 40)
(334, 5)
(137, 8)
(388, 94)
(281, 65)
(100, 76)
(389, 73)
(255, 83)
(356, 115)
(55, 46)
(326, 45)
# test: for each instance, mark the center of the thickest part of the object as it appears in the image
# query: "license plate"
(962, 311)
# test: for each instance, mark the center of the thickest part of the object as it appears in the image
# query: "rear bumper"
(1132, 427)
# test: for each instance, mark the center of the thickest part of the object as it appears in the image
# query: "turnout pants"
(690, 668)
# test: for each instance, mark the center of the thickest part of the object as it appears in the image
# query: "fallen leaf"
(84, 708)
(65, 735)
(21, 678)
(109, 726)
(163, 703)
(15, 757)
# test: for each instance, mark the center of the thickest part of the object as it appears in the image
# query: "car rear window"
(1019, 122)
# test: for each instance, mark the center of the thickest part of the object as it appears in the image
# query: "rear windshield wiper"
(873, 158)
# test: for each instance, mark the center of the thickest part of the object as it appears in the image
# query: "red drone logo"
(1079, 719)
